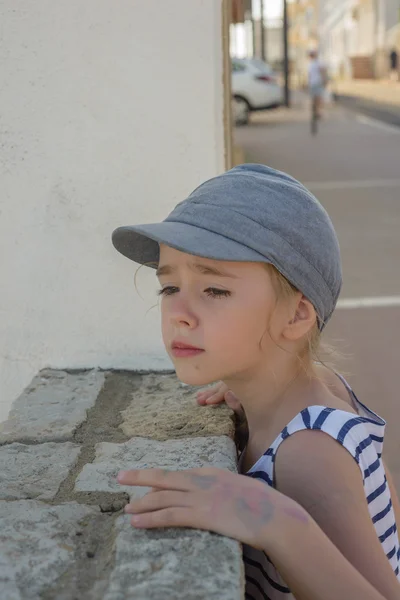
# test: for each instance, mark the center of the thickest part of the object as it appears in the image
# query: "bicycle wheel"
(314, 118)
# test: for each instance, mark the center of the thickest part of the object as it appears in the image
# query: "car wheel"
(240, 110)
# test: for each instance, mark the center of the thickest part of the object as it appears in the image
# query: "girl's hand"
(211, 499)
(216, 395)
(221, 393)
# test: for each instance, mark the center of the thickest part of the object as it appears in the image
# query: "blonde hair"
(314, 347)
(311, 352)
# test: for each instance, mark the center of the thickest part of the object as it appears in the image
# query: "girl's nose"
(181, 313)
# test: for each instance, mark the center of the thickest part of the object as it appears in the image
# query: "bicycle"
(314, 116)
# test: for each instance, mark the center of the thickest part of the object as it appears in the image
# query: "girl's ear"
(301, 321)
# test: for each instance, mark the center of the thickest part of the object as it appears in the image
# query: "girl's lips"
(182, 351)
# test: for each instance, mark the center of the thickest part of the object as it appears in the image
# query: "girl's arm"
(394, 495)
(319, 474)
(253, 513)
(314, 569)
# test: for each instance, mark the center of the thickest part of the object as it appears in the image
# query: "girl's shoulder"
(356, 428)
(355, 431)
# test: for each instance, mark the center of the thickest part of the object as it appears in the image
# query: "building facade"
(303, 36)
(356, 36)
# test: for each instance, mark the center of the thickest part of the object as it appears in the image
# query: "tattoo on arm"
(255, 508)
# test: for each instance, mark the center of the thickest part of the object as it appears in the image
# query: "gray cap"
(250, 213)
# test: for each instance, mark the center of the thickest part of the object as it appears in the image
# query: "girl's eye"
(212, 292)
(216, 293)
(167, 291)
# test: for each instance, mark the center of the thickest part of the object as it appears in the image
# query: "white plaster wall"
(367, 37)
(110, 113)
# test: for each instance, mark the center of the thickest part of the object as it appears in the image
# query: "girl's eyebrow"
(200, 268)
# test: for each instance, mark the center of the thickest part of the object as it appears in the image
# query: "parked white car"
(254, 87)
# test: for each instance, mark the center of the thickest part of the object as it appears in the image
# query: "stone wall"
(63, 533)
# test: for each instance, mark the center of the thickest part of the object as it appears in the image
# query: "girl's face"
(222, 309)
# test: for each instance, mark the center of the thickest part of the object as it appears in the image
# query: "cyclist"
(317, 81)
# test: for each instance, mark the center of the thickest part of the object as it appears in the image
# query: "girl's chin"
(193, 377)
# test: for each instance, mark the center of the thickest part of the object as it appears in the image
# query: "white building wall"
(367, 30)
(110, 113)
(336, 34)
(357, 28)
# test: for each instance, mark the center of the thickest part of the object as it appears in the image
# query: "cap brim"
(140, 243)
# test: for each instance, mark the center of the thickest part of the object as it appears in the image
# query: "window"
(238, 67)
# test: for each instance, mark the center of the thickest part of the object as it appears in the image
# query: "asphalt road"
(384, 112)
(353, 167)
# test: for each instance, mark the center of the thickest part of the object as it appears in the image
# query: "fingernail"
(135, 520)
(121, 475)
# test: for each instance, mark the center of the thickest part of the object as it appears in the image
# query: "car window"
(260, 65)
(238, 67)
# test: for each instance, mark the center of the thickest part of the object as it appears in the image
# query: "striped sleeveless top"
(363, 437)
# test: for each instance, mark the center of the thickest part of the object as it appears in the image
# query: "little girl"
(250, 273)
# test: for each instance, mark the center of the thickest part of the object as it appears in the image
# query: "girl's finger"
(205, 394)
(167, 517)
(233, 402)
(216, 398)
(158, 501)
(184, 481)
(201, 400)
(154, 478)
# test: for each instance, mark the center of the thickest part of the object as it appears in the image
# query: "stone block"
(38, 541)
(35, 471)
(163, 409)
(174, 564)
(8, 585)
(52, 406)
(141, 453)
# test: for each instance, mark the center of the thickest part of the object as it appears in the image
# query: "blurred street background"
(352, 165)
(113, 112)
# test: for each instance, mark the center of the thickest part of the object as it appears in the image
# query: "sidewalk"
(381, 91)
(299, 112)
